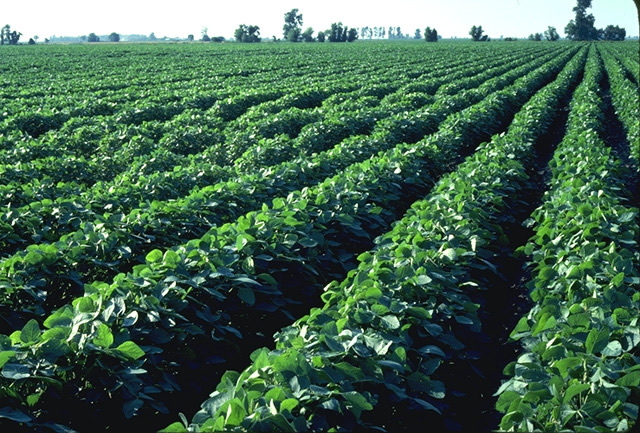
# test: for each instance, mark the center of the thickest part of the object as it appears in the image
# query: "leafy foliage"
(153, 229)
(578, 369)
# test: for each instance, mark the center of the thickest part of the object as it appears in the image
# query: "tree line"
(581, 28)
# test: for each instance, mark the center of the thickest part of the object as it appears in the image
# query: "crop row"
(625, 95)
(579, 369)
(388, 327)
(150, 156)
(102, 248)
(143, 316)
(628, 56)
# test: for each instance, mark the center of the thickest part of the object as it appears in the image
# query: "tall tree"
(352, 34)
(551, 34)
(476, 33)
(247, 34)
(205, 35)
(9, 37)
(114, 37)
(307, 35)
(430, 35)
(292, 25)
(582, 28)
(614, 33)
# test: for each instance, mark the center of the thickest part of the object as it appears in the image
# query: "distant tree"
(321, 36)
(352, 35)
(247, 34)
(614, 33)
(417, 34)
(32, 41)
(292, 25)
(476, 34)
(294, 35)
(551, 34)
(399, 34)
(4, 34)
(582, 28)
(190, 38)
(430, 35)
(335, 33)
(83, 38)
(391, 33)
(152, 37)
(9, 37)
(205, 35)
(535, 37)
(340, 33)
(307, 35)
(114, 37)
(93, 38)
(14, 37)
(218, 39)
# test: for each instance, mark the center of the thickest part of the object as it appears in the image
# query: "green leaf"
(176, 427)
(613, 349)
(563, 365)
(235, 412)
(33, 258)
(423, 280)
(247, 295)
(351, 371)
(547, 273)
(618, 280)
(241, 241)
(596, 341)
(574, 390)
(171, 259)
(288, 404)
(390, 322)
(431, 350)
(378, 343)
(280, 423)
(30, 332)
(104, 337)
(630, 379)
(130, 350)
(450, 253)
(357, 400)
(627, 217)
(278, 203)
(32, 399)
(154, 256)
(6, 355)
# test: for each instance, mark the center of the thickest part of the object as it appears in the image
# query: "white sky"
(178, 18)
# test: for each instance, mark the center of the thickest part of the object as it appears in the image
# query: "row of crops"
(283, 238)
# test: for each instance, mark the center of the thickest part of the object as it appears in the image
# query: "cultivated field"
(305, 237)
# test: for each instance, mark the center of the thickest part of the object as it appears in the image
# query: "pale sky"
(178, 18)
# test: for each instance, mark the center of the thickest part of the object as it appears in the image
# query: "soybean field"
(320, 237)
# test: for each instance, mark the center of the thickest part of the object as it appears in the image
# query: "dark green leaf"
(31, 332)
